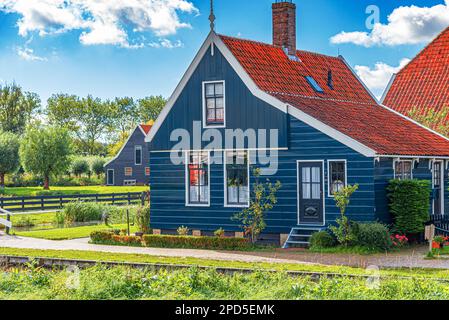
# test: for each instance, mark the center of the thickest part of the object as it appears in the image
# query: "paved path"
(83, 245)
(412, 258)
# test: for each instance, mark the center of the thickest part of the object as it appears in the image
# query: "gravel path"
(411, 258)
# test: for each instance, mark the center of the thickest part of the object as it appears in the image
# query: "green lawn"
(33, 191)
(24, 220)
(69, 233)
(141, 258)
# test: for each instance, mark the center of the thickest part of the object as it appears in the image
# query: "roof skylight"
(314, 84)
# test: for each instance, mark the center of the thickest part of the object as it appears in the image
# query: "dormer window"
(214, 104)
(314, 84)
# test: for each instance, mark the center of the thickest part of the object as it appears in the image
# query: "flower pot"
(436, 245)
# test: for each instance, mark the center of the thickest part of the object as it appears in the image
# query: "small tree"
(9, 155)
(45, 151)
(343, 231)
(143, 219)
(263, 198)
(80, 167)
(98, 166)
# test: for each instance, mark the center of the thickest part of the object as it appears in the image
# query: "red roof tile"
(424, 82)
(347, 107)
(146, 128)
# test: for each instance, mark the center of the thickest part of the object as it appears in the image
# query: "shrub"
(207, 243)
(219, 233)
(409, 205)
(98, 166)
(80, 167)
(82, 212)
(398, 241)
(374, 236)
(322, 239)
(183, 231)
(112, 238)
(117, 215)
(143, 219)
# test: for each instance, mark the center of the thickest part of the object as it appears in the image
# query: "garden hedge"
(110, 238)
(409, 204)
(188, 242)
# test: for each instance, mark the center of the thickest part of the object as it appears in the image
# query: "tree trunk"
(47, 182)
(2, 180)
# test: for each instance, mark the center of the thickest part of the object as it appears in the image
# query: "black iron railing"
(441, 223)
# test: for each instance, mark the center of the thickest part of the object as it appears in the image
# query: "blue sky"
(137, 48)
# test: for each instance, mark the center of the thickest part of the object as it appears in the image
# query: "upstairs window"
(197, 178)
(214, 104)
(237, 179)
(403, 170)
(138, 155)
(337, 176)
(314, 84)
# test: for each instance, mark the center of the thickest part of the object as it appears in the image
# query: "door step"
(299, 237)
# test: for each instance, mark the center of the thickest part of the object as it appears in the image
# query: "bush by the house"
(409, 205)
(322, 239)
(219, 233)
(374, 236)
(112, 238)
(398, 241)
(143, 219)
(183, 231)
(207, 243)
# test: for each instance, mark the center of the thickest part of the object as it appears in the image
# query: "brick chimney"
(284, 25)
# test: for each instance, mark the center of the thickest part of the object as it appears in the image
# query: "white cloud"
(101, 21)
(167, 44)
(406, 25)
(378, 77)
(28, 54)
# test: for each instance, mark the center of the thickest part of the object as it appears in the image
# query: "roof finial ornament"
(212, 16)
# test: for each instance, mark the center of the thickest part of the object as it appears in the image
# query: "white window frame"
(128, 175)
(113, 177)
(225, 181)
(411, 168)
(205, 125)
(329, 176)
(187, 180)
(141, 155)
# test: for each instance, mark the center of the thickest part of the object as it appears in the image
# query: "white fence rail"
(6, 222)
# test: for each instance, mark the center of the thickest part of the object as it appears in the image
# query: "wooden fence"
(441, 223)
(45, 203)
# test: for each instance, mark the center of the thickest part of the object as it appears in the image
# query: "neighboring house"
(131, 165)
(331, 132)
(424, 82)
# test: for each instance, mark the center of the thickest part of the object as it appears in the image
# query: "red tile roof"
(424, 82)
(146, 128)
(348, 107)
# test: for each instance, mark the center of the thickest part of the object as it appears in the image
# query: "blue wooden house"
(130, 167)
(323, 130)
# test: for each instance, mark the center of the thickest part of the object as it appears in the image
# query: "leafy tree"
(262, 200)
(343, 231)
(432, 118)
(45, 151)
(88, 119)
(16, 108)
(80, 167)
(9, 155)
(98, 166)
(113, 149)
(126, 115)
(149, 108)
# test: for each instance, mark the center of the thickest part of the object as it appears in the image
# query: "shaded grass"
(70, 233)
(33, 191)
(360, 250)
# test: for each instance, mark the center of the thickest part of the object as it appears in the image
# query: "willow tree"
(45, 151)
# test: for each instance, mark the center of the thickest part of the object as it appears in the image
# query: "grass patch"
(36, 219)
(346, 250)
(102, 283)
(142, 258)
(33, 191)
(70, 233)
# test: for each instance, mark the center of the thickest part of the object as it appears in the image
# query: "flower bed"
(178, 242)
